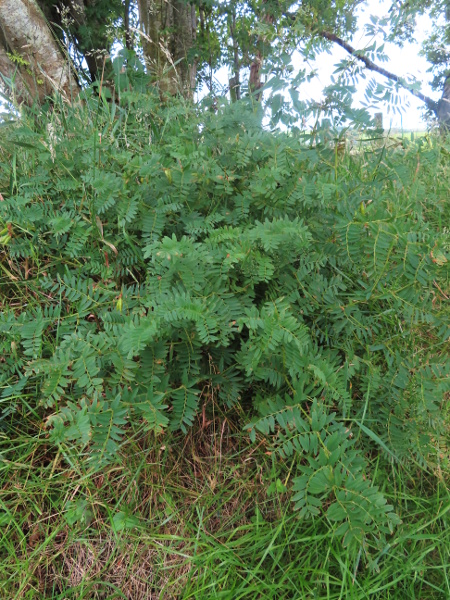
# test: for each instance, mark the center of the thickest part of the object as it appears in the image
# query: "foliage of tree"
(181, 45)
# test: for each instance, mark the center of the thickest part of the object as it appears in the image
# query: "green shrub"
(153, 255)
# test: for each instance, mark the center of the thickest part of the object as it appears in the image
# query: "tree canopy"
(64, 45)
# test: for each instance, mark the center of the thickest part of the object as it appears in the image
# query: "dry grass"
(165, 484)
(138, 570)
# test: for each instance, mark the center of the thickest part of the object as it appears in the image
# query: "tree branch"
(332, 37)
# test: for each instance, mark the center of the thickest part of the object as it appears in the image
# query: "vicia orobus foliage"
(157, 259)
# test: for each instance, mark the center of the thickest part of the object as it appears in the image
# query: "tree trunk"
(235, 80)
(443, 106)
(40, 67)
(169, 31)
(254, 81)
(17, 88)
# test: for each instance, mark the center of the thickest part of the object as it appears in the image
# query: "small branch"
(431, 104)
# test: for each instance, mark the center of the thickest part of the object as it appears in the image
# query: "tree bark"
(234, 81)
(254, 80)
(443, 106)
(18, 88)
(29, 44)
(169, 30)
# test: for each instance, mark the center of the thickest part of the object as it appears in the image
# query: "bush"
(156, 257)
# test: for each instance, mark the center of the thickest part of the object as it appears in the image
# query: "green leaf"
(124, 520)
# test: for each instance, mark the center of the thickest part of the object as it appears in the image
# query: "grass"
(200, 516)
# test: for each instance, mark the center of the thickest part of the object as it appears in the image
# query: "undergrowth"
(224, 358)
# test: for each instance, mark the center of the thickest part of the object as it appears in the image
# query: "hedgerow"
(153, 254)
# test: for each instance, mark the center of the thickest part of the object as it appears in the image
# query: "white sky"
(402, 61)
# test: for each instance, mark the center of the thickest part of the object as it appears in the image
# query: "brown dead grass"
(139, 571)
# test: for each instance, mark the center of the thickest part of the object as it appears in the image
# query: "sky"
(402, 61)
